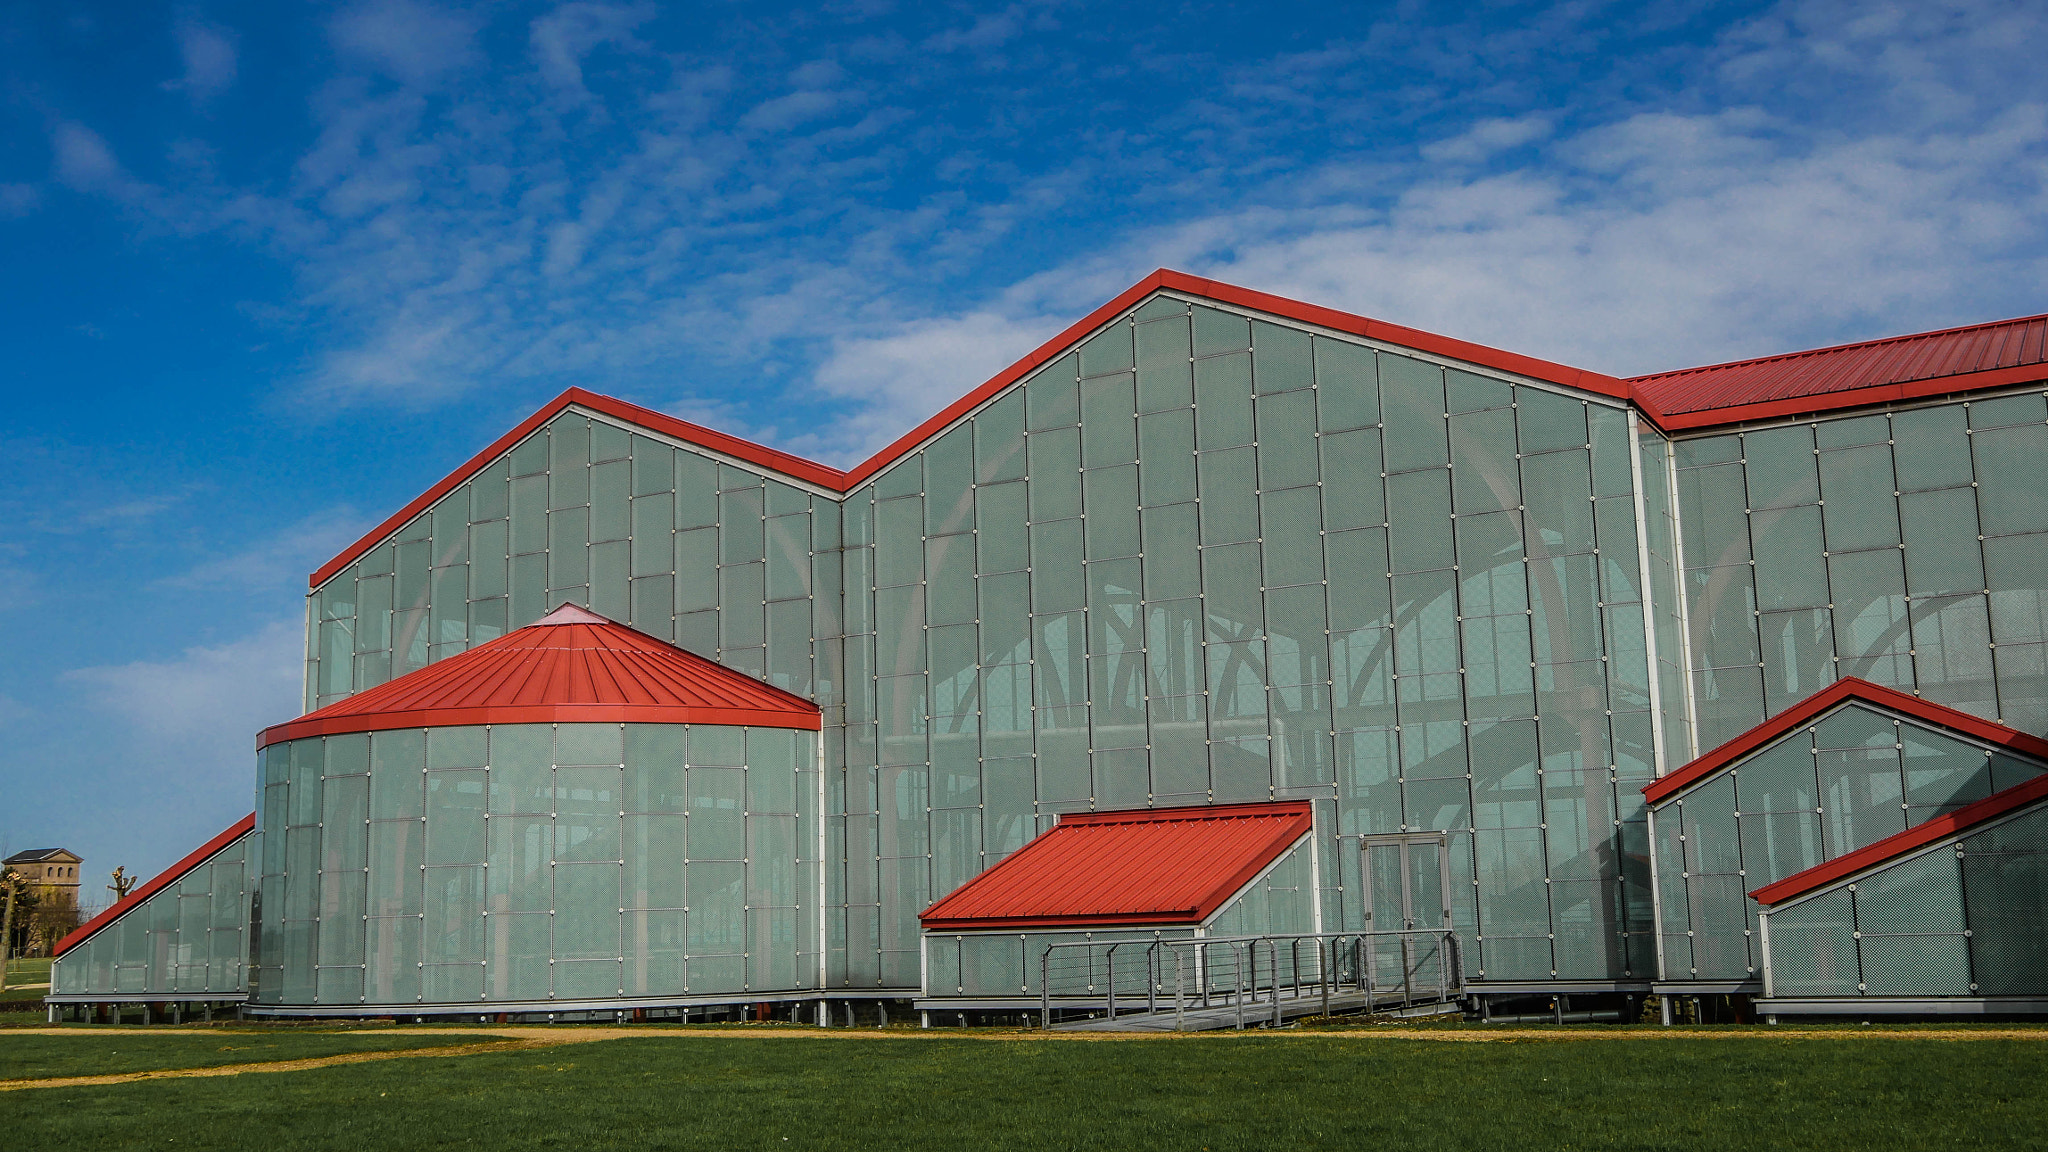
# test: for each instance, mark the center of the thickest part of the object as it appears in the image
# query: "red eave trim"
(1876, 394)
(1891, 847)
(1158, 917)
(1804, 712)
(770, 458)
(535, 714)
(163, 880)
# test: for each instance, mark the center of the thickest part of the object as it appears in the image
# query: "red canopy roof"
(1146, 866)
(161, 881)
(571, 666)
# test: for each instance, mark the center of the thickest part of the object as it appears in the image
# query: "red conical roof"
(571, 666)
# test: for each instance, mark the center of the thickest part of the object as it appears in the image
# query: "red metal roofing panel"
(2008, 347)
(571, 666)
(1899, 844)
(161, 881)
(1144, 866)
(1807, 710)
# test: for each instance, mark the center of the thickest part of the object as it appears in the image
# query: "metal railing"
(1255, 975)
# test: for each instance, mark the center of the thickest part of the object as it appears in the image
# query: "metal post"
(1557, 1008)
(1045, 987)
(1273, 953)
(1326, 972)
(1443, 969)
(1363, 948)
(1180, 1009)
(881, 1013)
(1109, 958)
(1152, 978)
(1234, 950)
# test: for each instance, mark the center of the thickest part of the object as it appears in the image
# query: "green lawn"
(1214, 1093)
(90, 1052)
(28, 970)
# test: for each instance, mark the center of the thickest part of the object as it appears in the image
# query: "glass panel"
(1055, 474)
(1941, 541)
(1412, 400)
(1932, 448)
(2012, 491)
(1165, 376)
(1108, 432)
(1780, 467)
(1347, 385)
(1352, 493)
(1229, 510)
(999, 440)
(1223, 400)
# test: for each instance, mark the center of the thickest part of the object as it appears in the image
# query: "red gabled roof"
(1892, 847)
(1902, 367)
(1809, 709)
(1146, 866)
(161, 881)
(1872, 372)
(571, 666)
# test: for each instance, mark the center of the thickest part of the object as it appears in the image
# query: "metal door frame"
(1442, 843)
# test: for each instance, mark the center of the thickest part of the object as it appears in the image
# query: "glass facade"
(1962, 918)
(1908, 548)
(1204, 556)
(187, 941)
(535, 862)
(1843, 782)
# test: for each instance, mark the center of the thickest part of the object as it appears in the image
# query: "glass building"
(1208, 547)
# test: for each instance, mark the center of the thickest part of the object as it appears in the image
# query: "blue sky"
(274, 269)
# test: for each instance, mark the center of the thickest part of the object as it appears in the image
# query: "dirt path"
(503, 1045)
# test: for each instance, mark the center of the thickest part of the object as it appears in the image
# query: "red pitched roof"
(1958, 360)
(161, 881)
(1892, 847)
(1807, 710)
(570, 666)
(1896, 368)
(1146, 866)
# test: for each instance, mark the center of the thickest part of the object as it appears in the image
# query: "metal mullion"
(1676, 515)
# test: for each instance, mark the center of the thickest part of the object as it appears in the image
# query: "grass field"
(1219, 1093)
(26, 970)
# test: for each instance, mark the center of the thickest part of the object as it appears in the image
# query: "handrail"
(1352, 963)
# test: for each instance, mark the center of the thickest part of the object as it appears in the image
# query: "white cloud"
(279, 561)
(208, 54)
(1486, 138)
(84, 163)
(411, 42)
(210, 700)
(562, 38)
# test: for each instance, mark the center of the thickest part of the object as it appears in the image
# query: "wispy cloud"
(209, 57)
(280, 561)
(211, 698)
(828, 232)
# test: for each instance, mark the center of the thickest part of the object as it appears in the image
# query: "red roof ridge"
(158, 883)
(573, 666)
(1135, 867)
(1841, 691)
(1880, 341)
(1902, 843)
